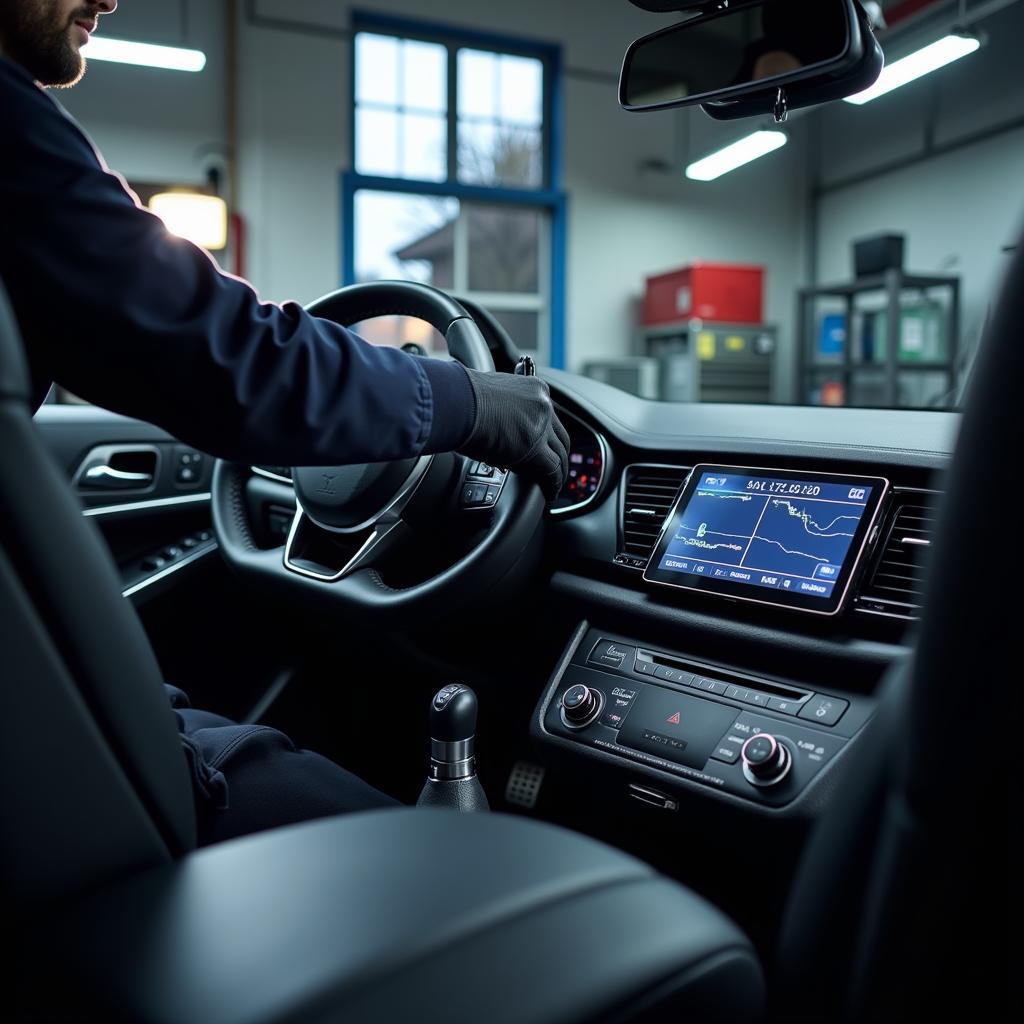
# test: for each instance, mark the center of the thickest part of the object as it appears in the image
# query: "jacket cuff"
(453, 405)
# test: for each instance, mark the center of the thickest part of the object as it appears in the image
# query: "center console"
(687, 724)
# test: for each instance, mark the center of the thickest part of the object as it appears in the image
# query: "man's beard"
(33, 38)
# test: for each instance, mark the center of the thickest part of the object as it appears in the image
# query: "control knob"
(580, 705)
(766, 761)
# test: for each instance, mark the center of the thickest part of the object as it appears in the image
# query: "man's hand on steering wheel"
(516, 428)
(397, 541)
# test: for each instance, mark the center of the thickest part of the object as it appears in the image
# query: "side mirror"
(753, 57)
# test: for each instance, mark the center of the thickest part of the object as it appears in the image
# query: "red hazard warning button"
(674, 720)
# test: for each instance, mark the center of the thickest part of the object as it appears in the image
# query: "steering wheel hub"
(350, 498)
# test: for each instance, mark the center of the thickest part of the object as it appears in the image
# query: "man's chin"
(70, 82)
(69, 72)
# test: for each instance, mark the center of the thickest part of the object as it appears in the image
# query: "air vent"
(283, 474)
(648, 496)
(895, 585)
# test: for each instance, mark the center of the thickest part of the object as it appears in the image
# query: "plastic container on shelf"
(726, 292)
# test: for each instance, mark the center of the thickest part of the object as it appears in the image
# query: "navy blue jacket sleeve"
(127, 316)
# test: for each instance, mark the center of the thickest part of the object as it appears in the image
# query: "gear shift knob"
(453, 715)
(452, 781)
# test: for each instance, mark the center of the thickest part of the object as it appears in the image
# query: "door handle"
(118, 467)
(108, 477)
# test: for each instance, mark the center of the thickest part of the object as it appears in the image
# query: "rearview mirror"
(752, 57)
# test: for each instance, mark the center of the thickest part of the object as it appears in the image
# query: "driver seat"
(386, 915)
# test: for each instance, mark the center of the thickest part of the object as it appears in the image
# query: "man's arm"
(131, 318)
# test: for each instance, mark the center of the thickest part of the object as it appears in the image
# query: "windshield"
(847, 257)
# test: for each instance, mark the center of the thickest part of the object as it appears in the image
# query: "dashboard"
(729, 585)
(831, 517)
(740, 578)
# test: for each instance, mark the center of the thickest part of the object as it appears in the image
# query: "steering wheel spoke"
(328, 557)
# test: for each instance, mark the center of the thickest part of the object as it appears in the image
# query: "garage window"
(454, 176)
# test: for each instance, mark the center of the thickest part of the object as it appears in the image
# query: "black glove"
(516, 428)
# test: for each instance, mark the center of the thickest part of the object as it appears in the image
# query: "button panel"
(620, 700)
(482, 486)
(813, 707)
(135, 576)
(674, 675)
(646, 719)
(188, 470)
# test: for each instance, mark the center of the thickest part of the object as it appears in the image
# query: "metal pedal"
(524, 784)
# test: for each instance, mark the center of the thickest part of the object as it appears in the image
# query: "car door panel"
(148, 493)
(200, 622)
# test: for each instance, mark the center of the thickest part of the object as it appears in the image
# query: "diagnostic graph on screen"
(770, 533)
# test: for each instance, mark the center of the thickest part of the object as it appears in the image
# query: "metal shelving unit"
(709, 361)
(893, 286)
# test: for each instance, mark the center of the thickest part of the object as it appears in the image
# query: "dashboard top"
(910, 438)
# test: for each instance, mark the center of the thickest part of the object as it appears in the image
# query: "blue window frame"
(455, 142)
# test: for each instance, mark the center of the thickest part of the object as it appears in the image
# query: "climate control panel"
(760, 739)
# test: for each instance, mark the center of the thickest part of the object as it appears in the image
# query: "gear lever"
(452, 781)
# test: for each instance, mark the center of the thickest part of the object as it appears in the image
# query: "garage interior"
(269, 124)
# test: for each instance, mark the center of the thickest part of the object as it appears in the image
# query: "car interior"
(711, 782)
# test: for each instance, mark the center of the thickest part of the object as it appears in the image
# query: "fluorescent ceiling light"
(922, 62)
(199, 218)
(147, 55)
(750, 147)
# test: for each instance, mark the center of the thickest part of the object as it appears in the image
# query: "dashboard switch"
(766, 761)
(730, 755)
(613, 719)
(607, 652)
(711, 686)
(580, 706)
(784, 707)
(674, 675)
(483, 472)
(824, 710)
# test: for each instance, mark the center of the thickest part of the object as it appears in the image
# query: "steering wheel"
(421, 535)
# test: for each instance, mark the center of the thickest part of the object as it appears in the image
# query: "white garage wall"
(158, 125)
(959, 208)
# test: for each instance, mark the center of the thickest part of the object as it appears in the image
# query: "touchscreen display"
(780, 537)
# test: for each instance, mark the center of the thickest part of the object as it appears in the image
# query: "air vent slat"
(897, 563)
(896, 584)
(649, 494)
